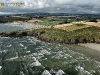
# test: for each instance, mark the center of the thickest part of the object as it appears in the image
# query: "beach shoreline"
(94, 46)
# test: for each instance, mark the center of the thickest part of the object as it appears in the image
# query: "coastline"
(91, 50)
(94, 46)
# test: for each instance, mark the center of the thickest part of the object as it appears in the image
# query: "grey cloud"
(67, 6)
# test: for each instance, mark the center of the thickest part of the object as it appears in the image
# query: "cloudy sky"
(52, 6)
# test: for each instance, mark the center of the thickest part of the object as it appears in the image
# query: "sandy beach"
(92, 46)
(91, 50)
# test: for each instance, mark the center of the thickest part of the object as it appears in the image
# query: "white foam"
(0, 67)
(36, 63)
(13, 58)
(21, 45)
(28, 51)
(60, 72)
(46, 72)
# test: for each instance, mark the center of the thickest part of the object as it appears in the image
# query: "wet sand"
(91, 50)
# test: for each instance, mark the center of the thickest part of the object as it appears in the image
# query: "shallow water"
(30, 56)
(13, 27)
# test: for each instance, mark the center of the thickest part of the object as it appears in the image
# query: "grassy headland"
(83, 35)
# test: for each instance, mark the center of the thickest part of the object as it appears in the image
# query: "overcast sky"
(53, 6)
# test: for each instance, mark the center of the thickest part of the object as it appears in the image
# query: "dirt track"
(62, 25)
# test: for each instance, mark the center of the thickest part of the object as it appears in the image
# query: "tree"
(84, 40)
(76, 41)
(93, 20)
